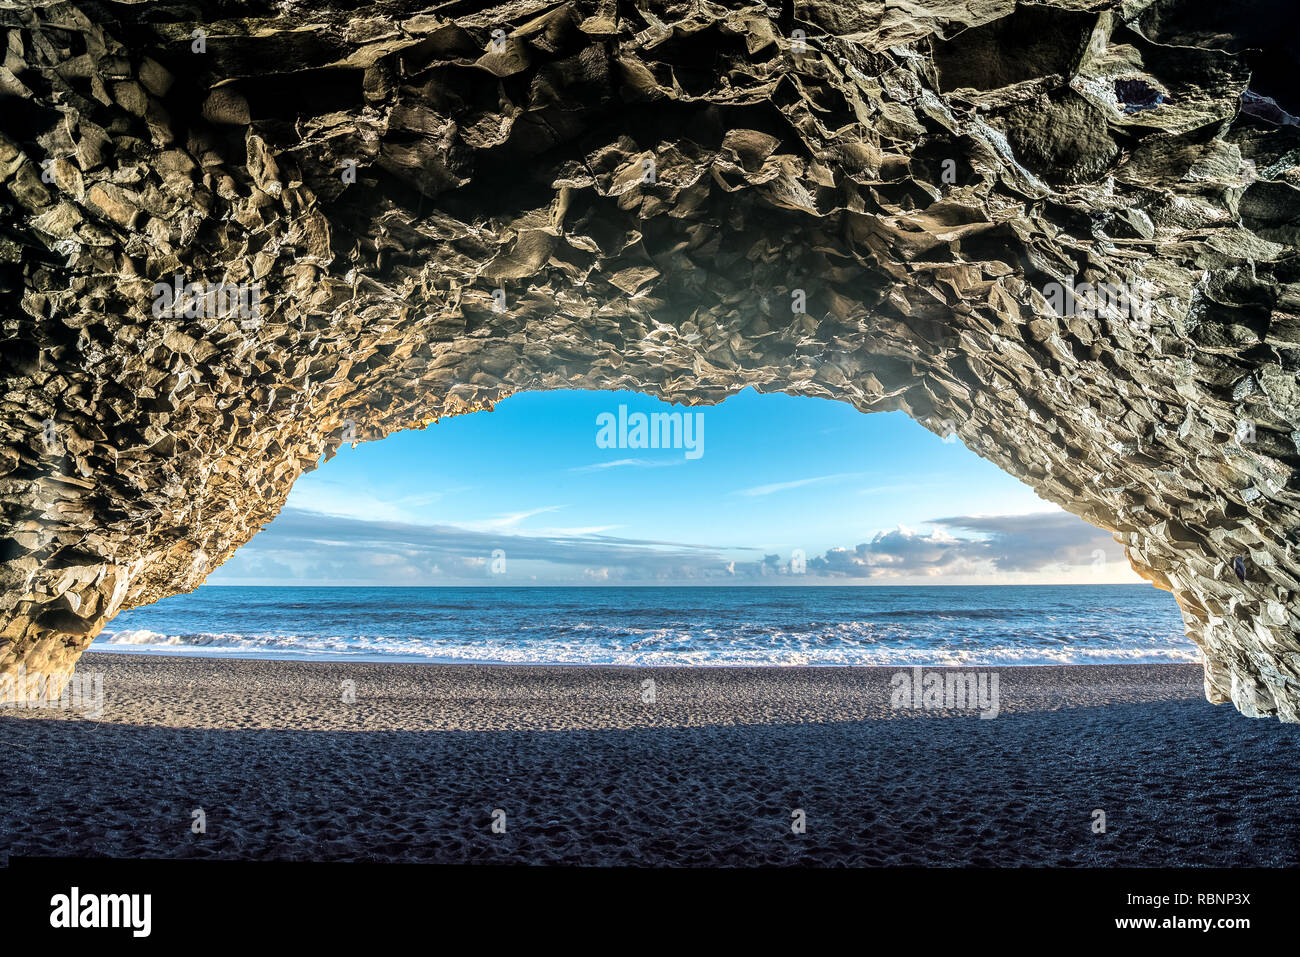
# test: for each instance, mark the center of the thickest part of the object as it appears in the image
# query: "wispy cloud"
(892, 489)
(508, 521)
(627, 463)
(576, 532)
(796, 483)
(332, 498)
(336, 498)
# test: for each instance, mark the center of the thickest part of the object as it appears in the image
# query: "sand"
(709, 773)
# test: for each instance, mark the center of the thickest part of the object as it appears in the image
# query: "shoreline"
(707, 773)
(202, 653)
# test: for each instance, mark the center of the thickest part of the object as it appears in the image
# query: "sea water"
(855, 625)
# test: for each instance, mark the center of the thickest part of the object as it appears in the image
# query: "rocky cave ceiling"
(437, 205)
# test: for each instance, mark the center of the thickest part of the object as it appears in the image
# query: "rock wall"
(1066, 230)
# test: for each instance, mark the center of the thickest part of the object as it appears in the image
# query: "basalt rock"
(387, 211)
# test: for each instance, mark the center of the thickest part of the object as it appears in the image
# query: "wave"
(605, 645)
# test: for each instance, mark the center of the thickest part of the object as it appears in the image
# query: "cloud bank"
(1002, 543)
(307, 547)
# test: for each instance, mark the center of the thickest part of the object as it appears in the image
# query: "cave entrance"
(575, 527)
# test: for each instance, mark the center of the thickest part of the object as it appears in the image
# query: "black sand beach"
(587, 772)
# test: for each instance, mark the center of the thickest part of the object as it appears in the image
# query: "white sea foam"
(142, 637)
(585, 643)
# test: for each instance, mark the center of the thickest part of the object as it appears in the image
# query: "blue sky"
(784, 490)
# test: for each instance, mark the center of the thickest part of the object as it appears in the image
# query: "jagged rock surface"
(922, 172)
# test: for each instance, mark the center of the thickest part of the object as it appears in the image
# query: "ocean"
(832, 626)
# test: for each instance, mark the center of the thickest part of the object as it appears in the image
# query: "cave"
(236, 235)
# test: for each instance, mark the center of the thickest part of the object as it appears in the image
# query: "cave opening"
(604, 527)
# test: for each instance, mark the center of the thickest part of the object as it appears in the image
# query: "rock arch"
(442, 205)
